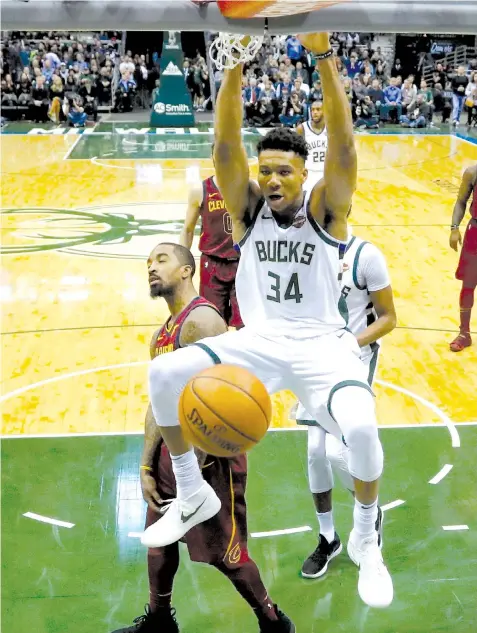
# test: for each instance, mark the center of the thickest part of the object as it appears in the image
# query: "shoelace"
(141, 619)
(165, 505)
(317, 554)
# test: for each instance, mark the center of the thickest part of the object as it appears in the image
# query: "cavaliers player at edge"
(467, 268)
(221, 541)
(289, 291)
(219, 259)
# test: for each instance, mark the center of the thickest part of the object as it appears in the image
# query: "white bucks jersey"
(288, 278)
(364, 271)
(317, 145)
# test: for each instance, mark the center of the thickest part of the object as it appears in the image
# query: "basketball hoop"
(227, 50)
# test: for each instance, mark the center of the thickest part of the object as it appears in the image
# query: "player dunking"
(316, 137)
(219, 259)
(288, 286)
(221, 541)
(369, 298)
(467, 268)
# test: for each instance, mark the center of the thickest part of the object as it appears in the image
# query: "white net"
(227, 50)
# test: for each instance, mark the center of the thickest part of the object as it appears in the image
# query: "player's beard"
(160, 290)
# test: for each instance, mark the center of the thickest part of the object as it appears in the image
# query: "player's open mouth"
(275, 197)
(153, 280)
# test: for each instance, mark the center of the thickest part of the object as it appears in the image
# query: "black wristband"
(320, 56)
(454, 227)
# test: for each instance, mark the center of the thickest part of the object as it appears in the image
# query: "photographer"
(419, 116)
(75, 112)
(366, 115)
(293, 111)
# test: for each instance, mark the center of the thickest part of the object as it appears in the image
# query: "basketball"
(271, 8)
(224, 410)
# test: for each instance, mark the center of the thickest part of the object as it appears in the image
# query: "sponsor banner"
(172, 103)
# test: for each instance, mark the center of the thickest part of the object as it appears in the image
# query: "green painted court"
(91, 578)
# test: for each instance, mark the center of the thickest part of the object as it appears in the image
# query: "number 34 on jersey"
(284, 251)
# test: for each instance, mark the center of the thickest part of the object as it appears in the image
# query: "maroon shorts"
(217, 285)
(467, 268)
(222, 539)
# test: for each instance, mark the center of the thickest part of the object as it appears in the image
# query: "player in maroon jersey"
(467, 268)
(222, 540)
(219, 259)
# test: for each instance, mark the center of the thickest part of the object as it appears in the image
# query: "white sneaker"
(181, 516)
(375, 586)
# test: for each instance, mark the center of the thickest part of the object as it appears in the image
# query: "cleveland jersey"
(288, 279)
(473, 206)
(364, 271)
(317, 145)
(216, 233)
(168, 339)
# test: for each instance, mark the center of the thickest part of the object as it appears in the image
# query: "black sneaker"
(317, 563)
(379, 527)
(282, 625)
(161, 621)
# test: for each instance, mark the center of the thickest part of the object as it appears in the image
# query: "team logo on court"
(127, 231)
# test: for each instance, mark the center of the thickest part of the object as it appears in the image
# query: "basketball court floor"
(81, 212)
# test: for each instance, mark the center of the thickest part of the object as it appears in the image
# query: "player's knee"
(365, 452)
(363, 437)
(316, 443)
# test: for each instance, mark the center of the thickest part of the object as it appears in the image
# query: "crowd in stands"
(67, 77)
(282, 82)
(57, 76)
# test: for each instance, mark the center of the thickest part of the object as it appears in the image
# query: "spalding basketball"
(224, 410)
(270, 8)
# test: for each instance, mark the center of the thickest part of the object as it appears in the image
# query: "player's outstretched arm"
(466, 187)
(230, 157)
(340, 170)
(192, 215)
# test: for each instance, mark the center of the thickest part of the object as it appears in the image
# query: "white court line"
(443, 417)
(94, 160)
(393, 504)
(140, 143)
(445, 470)
(83, 372)
(297, 530)
(39, 436)
(466, 140)
(443, 579)
(40, 517)
(80, 136)
(454, 528)
(78, 139)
